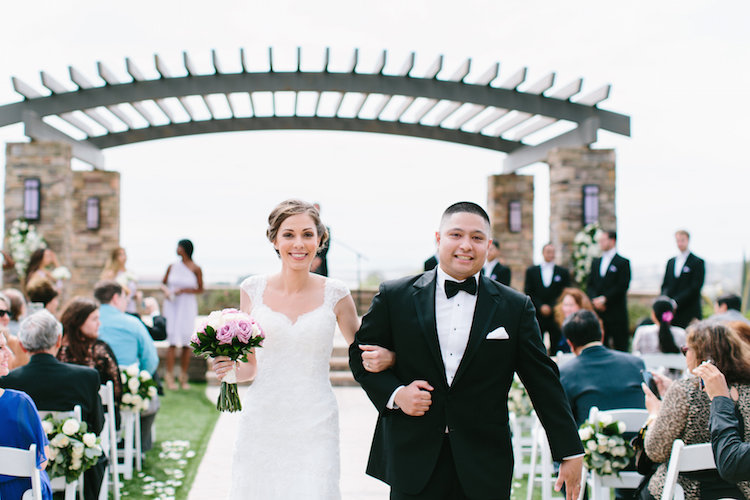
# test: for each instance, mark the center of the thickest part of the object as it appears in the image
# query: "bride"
(288, 440)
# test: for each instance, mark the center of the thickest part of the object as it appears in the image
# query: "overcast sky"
(679, 69)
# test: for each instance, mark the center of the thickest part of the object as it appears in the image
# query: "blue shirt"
(128, 338)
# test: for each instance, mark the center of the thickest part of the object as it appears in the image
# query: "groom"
(442, 432)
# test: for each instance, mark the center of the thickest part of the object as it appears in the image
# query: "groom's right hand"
(414, 399)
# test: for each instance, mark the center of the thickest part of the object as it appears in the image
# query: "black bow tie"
(453, 287)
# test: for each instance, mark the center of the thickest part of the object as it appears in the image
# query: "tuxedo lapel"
(424, 304)
(487, 302)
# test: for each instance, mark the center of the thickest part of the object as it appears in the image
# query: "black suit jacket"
(59, 386)
(685, 289)
(474, 408)
(731, 454)
(540, 294)
(501, 274)
(430, 263)
(614, 286)
(588, 381)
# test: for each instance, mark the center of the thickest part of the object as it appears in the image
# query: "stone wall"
(516, 248)
(570, 170)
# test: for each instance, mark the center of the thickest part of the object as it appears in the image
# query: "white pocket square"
(497, 334)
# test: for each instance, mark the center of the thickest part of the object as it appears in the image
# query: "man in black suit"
(442, 430)
(609, 279)
(320, 262)
(544, 284)
(431, 263)
(683, 281)
(493, 268)
(58, 386)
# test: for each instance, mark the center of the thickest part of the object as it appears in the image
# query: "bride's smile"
(297, 240)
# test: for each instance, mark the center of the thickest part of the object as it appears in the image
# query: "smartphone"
(648, 379)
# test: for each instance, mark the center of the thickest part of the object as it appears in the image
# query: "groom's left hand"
(570, 475)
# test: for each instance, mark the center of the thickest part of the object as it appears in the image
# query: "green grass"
(183, 427)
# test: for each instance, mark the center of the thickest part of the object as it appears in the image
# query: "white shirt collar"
(609, 254)
(442, 276)
(684, 255)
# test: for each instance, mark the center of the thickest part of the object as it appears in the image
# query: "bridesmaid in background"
(115, 270)
(182, 282)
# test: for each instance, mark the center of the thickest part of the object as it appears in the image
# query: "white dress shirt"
(679, 262)
(488, 267)
(606, 261)
(548, 272)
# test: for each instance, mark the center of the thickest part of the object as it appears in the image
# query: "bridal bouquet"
(138, 388)
(606, 450)
(61, 273)
(72, 450)
(227, 333)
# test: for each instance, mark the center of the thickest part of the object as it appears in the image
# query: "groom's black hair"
(467, 207)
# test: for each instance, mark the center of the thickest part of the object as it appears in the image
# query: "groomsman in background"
(544, 284)
(683, 281)
(493, 268)
(607, 287)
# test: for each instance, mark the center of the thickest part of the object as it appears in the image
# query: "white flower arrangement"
(518, 399)
(61, 273)
(23, 240)
(585, 249)
(72, 450)
(606, 451)
(138, 388)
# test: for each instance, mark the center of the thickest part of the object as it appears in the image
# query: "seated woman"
(81, 344)
(43, 291)
(662, 336)
(17, 308)
(20, 357)
(684, 412)
(20, 427)
(571, 300)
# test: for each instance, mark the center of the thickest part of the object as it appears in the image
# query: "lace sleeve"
(253, 287)
(335, 291)
(106, 364)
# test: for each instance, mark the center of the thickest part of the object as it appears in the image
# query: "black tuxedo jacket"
(614, 286)
(474, 408)
(501, 274)
(540, 294)
(430, 263)
(685, 289)
(59, 387)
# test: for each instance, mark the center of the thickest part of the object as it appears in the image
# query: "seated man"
(728, 308)
(57, 386)
(129, 340)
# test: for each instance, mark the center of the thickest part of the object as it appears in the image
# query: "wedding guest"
(742, 328)
(728, 308)
(609, 279)
(182, 283)
(152, 318)
(41, 264)
(42, 291)
(320, 262)
(17, 308)
(20, 427)
(58, 386)
(115, 270)
(571, 300)
(493, 268)
(683, 280)
(544, 284)
(662, 336)
(685, 409)
(20, 357)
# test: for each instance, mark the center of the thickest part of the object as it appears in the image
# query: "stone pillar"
(570, 169)
(516, 248)
(50, 163)
(91, 247)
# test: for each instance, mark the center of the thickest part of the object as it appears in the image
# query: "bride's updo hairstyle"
(286, 209)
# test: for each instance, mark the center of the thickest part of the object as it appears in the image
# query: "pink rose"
(229, 310)
(244, 330)
(202, 327)
(225, 334)
(195, 340)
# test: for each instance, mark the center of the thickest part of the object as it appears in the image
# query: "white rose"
(591, 445)
(75, 464)
(607, 467)
(53, 452)
(585, 433)
(215, 320)
(137, 400)
(132, 370)
(621, 427)
(89, 439)
(127, 398)
(605, 419)
(123, 378)
(602, 448)
(144, 375)
(47, 426)
(60, 441)
(618, 451)
(146, 405)
(152, 392)
(77, 450)
(133, 384)
(601, 439)
(71, 426)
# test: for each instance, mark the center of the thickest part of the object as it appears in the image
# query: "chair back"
(59, 415)
(660, 360)
(59, 483)
(686, 458)
(22, 463)
(108, 438)
(633, 418)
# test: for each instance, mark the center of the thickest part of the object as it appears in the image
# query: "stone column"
(50, 163)
(516, 248)
(91, 247)
(570, 169)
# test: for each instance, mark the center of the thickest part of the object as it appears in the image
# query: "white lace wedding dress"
(288, 438)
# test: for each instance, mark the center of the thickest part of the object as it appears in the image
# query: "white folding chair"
(601, 484)
(685, 458)
(563, 357)
(22, 463)
(659, 360)
(58, 483)
(540, 447)
(522, 428)
(130, 429)
(108, 439)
